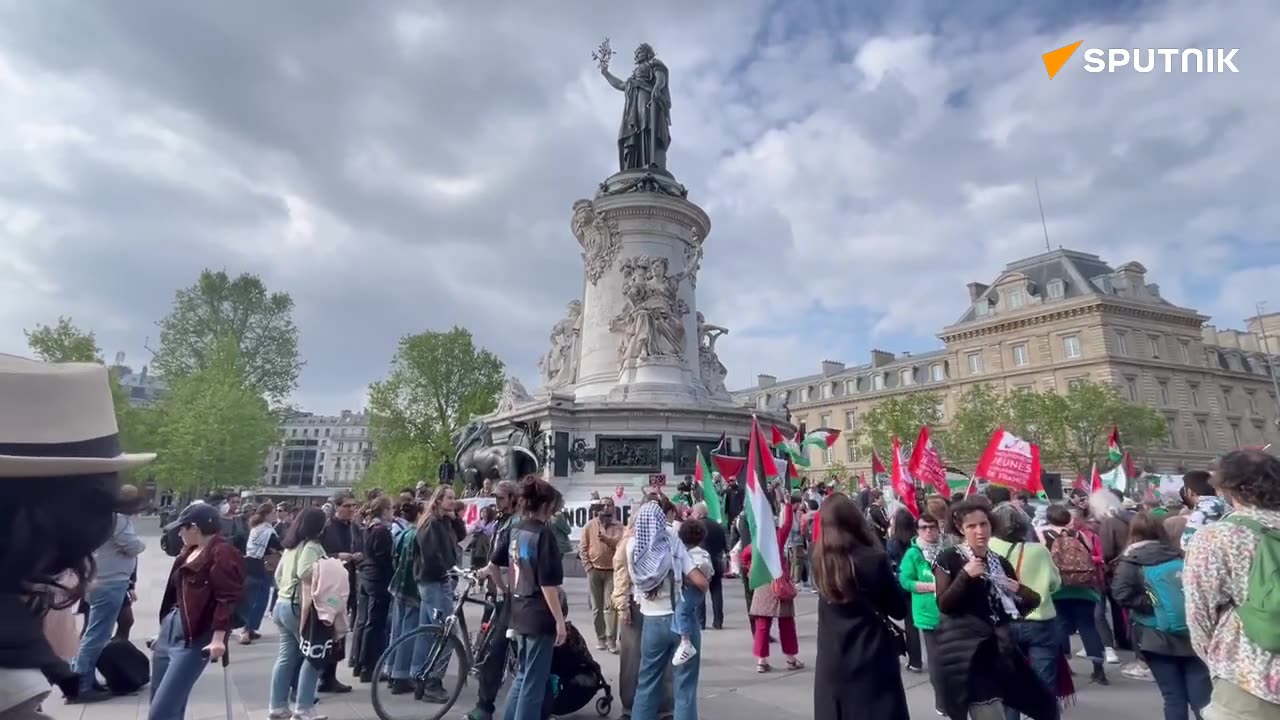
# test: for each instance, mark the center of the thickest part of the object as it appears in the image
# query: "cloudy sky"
(401, 167)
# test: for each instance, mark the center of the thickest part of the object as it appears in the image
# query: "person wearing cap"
(205, 585)
(60, 460)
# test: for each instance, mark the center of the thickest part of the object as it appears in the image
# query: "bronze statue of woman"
(645, 133)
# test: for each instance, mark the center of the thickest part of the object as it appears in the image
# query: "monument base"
(596, 447)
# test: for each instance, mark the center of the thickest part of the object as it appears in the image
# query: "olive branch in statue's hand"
(602, 55)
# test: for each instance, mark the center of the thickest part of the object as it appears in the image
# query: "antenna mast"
(1043, 224)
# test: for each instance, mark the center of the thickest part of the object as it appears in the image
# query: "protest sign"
(1010, 461)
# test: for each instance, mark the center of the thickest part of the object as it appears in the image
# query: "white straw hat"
(58, 419)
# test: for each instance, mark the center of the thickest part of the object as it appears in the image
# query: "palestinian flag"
(822, 438)
(1114, 452)
(1095, 483)
(972, 489)
(702, 475)
(789, 446)
(862, 482)
(722, 447)
(766, 556)
(878, 473)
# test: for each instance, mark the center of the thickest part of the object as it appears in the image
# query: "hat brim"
(21, 466)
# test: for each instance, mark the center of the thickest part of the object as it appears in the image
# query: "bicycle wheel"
(427, 674)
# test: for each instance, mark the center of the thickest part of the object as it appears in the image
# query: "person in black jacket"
(374, 579)
(716, 543)
(1183, 678)
(440, 531)
(341, 540)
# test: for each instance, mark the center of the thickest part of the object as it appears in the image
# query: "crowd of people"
(982, 593)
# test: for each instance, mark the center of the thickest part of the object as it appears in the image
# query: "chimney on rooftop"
(880, 358)
(766, 381)
(831, 367)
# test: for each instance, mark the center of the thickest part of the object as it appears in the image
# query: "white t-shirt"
(661, 603)
(259, 540)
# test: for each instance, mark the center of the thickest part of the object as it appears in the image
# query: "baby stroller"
(576, 677)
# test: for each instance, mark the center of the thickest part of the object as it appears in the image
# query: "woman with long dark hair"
(301, 551)
(856, 674)
(374, 579)
(59, 493)
(979, 595)
(902, 536)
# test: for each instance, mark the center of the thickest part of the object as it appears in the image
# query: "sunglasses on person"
(923, 528)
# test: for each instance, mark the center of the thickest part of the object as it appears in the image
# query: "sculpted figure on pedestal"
(651, 322)
(598, 237)
(560, 364)
(713, 371)
(645, 132)
(513, 394)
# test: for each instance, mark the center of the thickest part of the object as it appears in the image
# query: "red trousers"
(786, 636)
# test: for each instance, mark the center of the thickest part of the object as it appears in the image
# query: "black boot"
(1099, 675)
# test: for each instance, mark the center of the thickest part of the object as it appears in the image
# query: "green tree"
(1075, 425)
(399, 465)
(438, 382)
(899, 416)
(979, 410)
(211, 429)
(219, 307)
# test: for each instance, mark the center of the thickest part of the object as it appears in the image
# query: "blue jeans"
(1040, 642)
(1076, 615)
(529, 686)
(1183, 682)
(686, 615)
(175, 667)
(257, 592)
(434, 596)
(658, 644)
(105, 600)
(290, 665)
(404, 620)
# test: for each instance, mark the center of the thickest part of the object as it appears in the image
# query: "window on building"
(1024, 389)
(1184, 350)
(320, 470)
(851, 451)
(826, 391)
(1235, 435)
(1172, 424)
(293, 433)
(1252, 399)
(941, 409)
(321, 457)
(1074, 383)
(1020, 358)
(1056, 288)
(275, 479)
(1131, 389)
(1193, 392)
(1014, 299)
(850, 386)
(906, 376)
(1203, 427)
(1122, 343)
(936, 372)
(850, 419)
(975, 363)
(1155, 346)
(1164, 391)
(877, 381)
(824, 420)
(981, 308)
(326, 432)
(1226, 399)
(804, 394)
(828, 457)
(1071, 347)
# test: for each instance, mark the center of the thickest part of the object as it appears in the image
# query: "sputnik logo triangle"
(1055, 59)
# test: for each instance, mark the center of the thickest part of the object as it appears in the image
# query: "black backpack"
(124, 667)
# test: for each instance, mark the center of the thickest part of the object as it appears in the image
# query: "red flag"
(1080, 483)
(904, 485)
(877, 467)
(776, 437)
(1010, 461)
(926, 465)
(1130, 467)
(862, 482)
(728, 466)
(1096, 482)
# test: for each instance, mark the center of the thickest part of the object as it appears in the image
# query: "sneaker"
(92, 695)
(401, 686)
(1082, 653)
(434, 694)
(915, 669)
(601, 644)
(334, 686)
(684, 653)
(309, 714)
(1137, 671)
(283, 713)
(1111, 657)
(1099, 676)
(612, 648)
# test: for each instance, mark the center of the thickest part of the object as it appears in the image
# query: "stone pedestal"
(640, 226)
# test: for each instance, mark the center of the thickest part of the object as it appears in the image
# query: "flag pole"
(1043, 224)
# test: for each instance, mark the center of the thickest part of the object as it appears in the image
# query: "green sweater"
(1036, 570)
(924, 605)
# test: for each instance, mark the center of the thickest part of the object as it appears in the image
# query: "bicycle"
(449, 639)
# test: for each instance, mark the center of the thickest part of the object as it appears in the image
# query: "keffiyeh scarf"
(929, 550)
(650, 549)
(996, 579)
